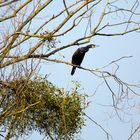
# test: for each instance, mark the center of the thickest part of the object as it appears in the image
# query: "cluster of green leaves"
(39, 105)
(48, 38)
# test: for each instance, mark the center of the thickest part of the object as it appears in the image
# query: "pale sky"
(111, 48)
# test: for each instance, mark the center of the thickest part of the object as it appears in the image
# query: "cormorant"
(78, 56)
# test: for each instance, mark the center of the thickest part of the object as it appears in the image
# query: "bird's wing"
(78, 56)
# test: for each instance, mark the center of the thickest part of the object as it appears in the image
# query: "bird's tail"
(73, 70)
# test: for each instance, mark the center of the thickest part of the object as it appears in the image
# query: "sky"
(111, 48)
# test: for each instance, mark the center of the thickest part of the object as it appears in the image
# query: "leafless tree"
(31, 33)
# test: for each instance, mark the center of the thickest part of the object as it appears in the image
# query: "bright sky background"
(111, 48)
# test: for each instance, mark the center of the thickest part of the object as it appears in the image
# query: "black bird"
(78, 56)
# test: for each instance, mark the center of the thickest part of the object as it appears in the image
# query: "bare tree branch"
(107, 134)
(133, 133)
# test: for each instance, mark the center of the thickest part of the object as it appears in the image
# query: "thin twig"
(65, 7)
(107, 134)
(134, 132)
(113, 97)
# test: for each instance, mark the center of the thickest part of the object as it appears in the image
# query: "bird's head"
(93, 46)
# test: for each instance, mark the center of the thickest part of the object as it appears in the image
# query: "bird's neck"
(86, 48)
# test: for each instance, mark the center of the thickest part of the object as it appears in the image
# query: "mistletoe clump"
(28, 105)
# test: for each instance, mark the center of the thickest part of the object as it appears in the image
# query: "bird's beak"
(97, 45)
(94, 46)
